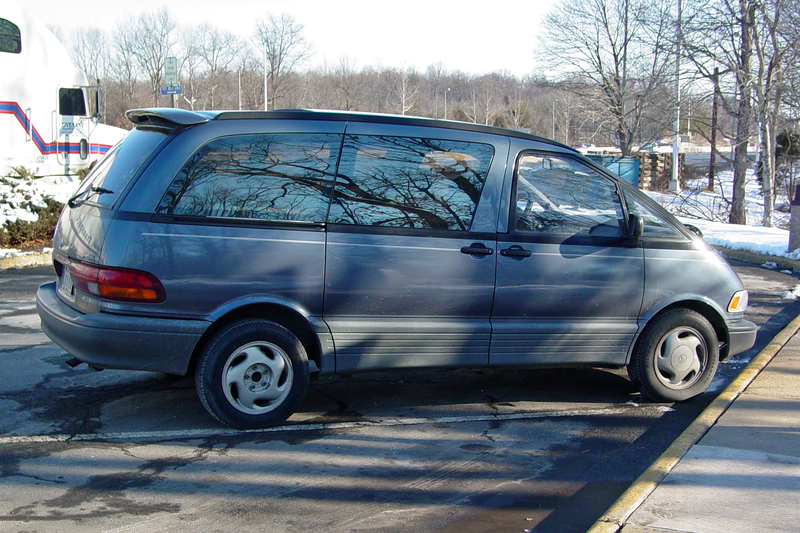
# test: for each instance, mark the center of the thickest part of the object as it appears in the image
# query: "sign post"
(171, 79)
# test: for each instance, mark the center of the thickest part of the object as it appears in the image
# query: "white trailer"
(46, 123)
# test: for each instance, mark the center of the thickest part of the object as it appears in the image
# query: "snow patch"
(793, 294)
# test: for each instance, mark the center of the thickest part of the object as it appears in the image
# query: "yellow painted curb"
(26, 260)
(615, 517)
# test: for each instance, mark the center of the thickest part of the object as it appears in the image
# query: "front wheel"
(676, 357)
(252, 374)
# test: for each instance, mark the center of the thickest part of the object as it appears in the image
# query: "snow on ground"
(18, 194)
(756, 239)
(706, 210)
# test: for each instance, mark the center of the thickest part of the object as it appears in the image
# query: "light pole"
(445, 102)
(240, 88)
(554, 119)
(674, 182)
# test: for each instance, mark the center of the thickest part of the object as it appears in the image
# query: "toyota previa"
(260, 250)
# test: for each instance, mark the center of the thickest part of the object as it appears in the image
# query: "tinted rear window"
(109, 178)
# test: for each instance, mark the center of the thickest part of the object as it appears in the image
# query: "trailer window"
(10, 40)
(71, 102)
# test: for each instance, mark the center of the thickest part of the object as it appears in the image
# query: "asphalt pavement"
(737, 467)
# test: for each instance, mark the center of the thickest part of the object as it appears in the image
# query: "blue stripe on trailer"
(13, 108)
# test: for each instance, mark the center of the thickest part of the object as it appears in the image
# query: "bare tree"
(711, 40)
(346, 79)
(192, 71)
(281, 39)
(407, 89)
(218, 50)
(619, 46)
(124, 68)
(777, 43)
(90, 52)
(149, 39)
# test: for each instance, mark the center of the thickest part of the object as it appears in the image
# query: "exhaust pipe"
(75, 362)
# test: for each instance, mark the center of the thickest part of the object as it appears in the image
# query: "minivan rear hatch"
(84, 223)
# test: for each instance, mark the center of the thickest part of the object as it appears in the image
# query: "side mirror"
(635, 226)
(694, 229)
(84, 149)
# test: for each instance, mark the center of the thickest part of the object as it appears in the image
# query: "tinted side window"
(654, 225)
(264, 177)
(10, 40)
(562, 195)
(409, 182)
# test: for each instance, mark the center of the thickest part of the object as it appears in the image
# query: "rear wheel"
(676, 357)
(252, 373)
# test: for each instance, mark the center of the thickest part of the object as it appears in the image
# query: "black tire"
(252, 373)
(676, 356)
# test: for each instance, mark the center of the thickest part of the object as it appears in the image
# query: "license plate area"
(64, 285)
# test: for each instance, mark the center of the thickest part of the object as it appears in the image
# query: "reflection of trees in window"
(562, 196)
(409, 182)
(266, 177)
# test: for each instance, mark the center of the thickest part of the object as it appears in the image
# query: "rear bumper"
(124, 342)
(742, 337)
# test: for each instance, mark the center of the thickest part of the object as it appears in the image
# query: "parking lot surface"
(523, 450)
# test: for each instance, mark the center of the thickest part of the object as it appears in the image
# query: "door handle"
(515, 251)
(476, 248)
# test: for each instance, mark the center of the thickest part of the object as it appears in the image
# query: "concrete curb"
(26, 260)
(615, 517)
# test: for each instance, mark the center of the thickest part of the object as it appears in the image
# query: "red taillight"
(119, 284)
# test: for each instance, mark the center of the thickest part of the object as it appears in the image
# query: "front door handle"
(476, 248)
(515, 251)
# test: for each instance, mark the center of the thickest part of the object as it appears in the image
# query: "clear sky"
(472, 36)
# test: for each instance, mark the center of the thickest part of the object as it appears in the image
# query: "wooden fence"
(655, 171)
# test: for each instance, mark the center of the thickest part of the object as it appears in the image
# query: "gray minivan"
(262, 249)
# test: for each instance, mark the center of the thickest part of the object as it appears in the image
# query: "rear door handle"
(515, 251)
(476, 248)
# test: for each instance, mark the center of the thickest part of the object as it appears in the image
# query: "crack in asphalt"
(108, 491)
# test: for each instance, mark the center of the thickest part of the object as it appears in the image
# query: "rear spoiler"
(166, 117)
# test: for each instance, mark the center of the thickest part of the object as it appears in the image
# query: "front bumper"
(106, 340)
(742, 336)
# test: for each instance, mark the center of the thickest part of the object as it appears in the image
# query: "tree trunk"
(743, 81)
(767, 166)
(712, 164)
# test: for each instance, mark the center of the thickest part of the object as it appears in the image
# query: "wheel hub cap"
(257, 377)
(681, 358)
